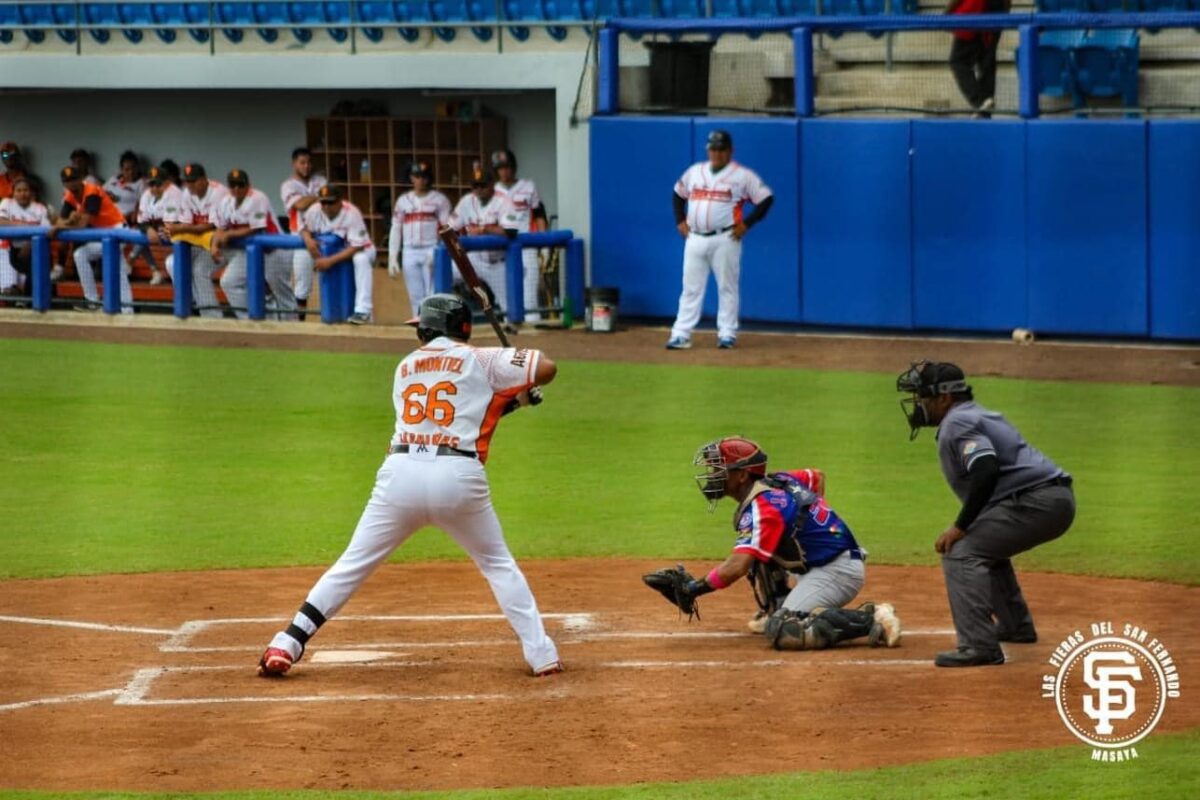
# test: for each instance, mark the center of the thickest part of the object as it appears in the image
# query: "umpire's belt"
(1060, 480)
(714, 233)
(442, 450)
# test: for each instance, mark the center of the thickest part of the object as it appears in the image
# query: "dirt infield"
(1176, 365)
(159, 693)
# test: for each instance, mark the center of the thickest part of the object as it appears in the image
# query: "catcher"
(803, 562)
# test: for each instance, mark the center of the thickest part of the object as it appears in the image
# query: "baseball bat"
(449, 238)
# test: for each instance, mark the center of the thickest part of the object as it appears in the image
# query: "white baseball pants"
(364, 263)
(721, 254)
(84, 255)
(9, 277)
(532, 277)
(830, 586)
(302, 273)
(204, 296)
(491, 268)
(277, 268)
(418, 274)
(451, 493)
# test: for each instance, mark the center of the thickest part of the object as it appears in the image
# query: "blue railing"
(803, 28)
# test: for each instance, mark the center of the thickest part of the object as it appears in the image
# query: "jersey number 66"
(424, 403)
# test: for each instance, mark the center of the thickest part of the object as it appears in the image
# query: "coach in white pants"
(708, 201)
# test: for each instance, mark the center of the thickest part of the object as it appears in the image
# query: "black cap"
(69, 174)
(156, 175)
(237, 177)
(194, 171)
(480, 176)
(79, 152)
(719, 140)
(329, 194)
(504, 158)
(420, 169)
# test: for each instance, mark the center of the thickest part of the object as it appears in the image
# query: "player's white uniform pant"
(491, 268)
(302, 273)
(418, 274)
(364, 262)
(85, 254)
(204, 295)
(277, 265)
(9, 277)
(451, 493)
(532, 278)
(721, 254)
(832, 585)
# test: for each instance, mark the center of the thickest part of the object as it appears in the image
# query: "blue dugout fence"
(1065, 226)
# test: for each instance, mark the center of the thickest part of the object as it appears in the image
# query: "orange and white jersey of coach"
(715, 200)
(292, 191)
(420, 216)
(451, 394)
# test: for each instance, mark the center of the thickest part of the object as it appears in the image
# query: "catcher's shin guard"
(823, 628)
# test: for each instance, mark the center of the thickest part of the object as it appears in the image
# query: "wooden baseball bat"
(449, 238)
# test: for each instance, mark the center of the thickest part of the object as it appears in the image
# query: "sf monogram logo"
(1111, 690)
(1114, 696)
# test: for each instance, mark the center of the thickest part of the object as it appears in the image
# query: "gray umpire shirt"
(969, 431)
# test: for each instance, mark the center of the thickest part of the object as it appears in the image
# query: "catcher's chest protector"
(789, 554)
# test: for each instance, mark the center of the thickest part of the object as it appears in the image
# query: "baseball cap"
(329, 194)
(194, 171)
(719, 140)
(8, 149)
(237, 177)
(69, 174)
(156, 175)
(480, 177)
(419, 168)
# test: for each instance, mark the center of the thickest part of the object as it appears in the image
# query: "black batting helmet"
(443, 315)
(504, 158)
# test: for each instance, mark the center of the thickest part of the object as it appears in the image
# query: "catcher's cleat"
(275, 662)
(758, 623)
(552, 668)
(886, 630)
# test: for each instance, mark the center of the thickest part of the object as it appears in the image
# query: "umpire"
(1013, 499)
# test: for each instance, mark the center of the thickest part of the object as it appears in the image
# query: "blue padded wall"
(635, 247)
(1086, 189)
(968, 206)
(770, 281)
(1174, 187)
(855, 225)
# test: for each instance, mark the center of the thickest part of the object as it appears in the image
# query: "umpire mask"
(720, 456)
(927, 379)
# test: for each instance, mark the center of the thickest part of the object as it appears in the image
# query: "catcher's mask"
(923, 380)
(719, 457)
(443, 315)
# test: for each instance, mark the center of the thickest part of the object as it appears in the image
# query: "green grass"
(1167, 767)
(127, 459)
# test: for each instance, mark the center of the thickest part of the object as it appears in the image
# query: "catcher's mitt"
(675, 584)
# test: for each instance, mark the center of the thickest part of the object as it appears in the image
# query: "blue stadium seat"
(1111, 6)
(636, 8)
(601, 9)
(560, 9)
(1060, 6)
(1162, 5)
(181, 14)
(137, 14)
(337, 14)
(273, 14)
(33, 14)
(233, 14)
(305, 14)
(517, 10)
(1106, 65)
(64, 14)
(447, 11)
(798, 8)
(1056, 64)
(101, 14)
(681, 9)
(373, 14)
(9, 15)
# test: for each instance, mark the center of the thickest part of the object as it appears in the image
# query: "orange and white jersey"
(295, 189)
(470, 211)
(125, 193)
(518, 202)
(451, 394)
(420, 216)
(715, 200)
(348, 224)
(204, 210)
(254, 212)
(172, 206)
(34, 214)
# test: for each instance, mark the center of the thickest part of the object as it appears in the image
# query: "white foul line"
(91, 626)
(67, 698)
(321, 698)
(775, 662)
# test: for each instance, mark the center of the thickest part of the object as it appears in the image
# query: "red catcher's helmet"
(721, 456)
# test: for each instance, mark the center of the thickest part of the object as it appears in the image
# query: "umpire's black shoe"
(968, 657)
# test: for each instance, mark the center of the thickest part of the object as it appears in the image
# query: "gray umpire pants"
(979, 573)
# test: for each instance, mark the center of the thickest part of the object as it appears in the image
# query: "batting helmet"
(721, 456)
(928, 379)
(504, 158)
(443, 315)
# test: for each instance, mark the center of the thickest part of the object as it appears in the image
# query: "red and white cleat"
(274, 663)
(550, 669)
